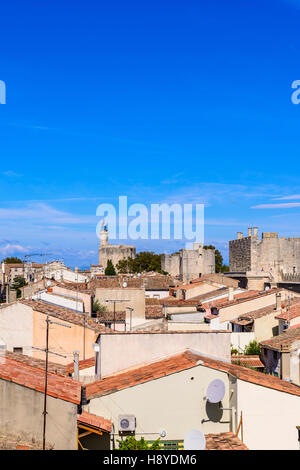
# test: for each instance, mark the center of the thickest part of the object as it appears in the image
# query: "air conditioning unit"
(127, 423)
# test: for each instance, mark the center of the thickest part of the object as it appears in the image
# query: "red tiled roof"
(65, 314)
(83, 364)
(177, 363)
(153, 312)
(57, 369)
(282, 342)
(294, 311)
(247, 360)
(33, 377)
(238, 298)
(96, 421)
(224, 441)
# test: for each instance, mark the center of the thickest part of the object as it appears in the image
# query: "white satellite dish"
(124, 284)
(215, 391)
(48, 283)
(194, 440)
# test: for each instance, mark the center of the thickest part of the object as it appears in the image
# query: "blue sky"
(186, 102)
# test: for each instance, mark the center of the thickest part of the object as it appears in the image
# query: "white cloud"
(11, 249)
(284, 205)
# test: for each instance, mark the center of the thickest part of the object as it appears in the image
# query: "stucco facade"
(21, 413)
(122, 351)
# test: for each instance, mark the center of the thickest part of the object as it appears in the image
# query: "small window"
(18, 350)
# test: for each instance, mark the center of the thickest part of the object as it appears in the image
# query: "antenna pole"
(46, 383)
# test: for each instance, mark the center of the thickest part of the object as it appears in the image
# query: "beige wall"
(266, 327)
(81, 295)
(270, 417)
(174, 403)
(233, 311)
(62, 340)
(122, 351)
(16, 327)
(135, 297)
(21, 411)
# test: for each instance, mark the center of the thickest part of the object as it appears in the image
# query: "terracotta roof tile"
(238, 298)
(94, 420)
(57, 369)
(83, 364)
(180, 362)
(294, 311)
(33, 377)
(247, 361)
(65, 314)
(282, 342)
(224, 441)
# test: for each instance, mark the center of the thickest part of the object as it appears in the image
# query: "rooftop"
(54, 368)
(95, 421)
(224, 441)
(283, 342)
(293, 313)
(65, 314)
(19, 372)
(239, 298)
(177, 363)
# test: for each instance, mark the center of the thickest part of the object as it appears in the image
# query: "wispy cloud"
(284, 205)
(286, 198)
(11, 173)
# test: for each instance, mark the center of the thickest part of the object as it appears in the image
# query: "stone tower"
(113, 252)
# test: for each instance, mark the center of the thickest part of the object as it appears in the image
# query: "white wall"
(270, 417)
(61, 300)
(122, 351)
(174, 403)
(16, 327)
(240, 340)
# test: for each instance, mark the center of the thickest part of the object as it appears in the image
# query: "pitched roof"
(224, 441)
(153, 312)
(95, 421)
(283, 342)
(177, 363)
(57, 369)
(83, 364)
(239, 298)
(34, 378)
(249, 317)
(293, 313)
(65, 314)
(247, 361)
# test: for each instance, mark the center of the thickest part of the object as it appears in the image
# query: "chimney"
(239, 235)
(255, 232)
(76, 365)
(278, 301)
(76, 269)
(230, 293)
(250, 232)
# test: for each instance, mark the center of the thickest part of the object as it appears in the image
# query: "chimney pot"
(249, 232)
(239, 235)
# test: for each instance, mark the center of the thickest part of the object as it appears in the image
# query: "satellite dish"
(194, 440)
(124, 284)
(139, 274)
(215, 391)
(48, 283)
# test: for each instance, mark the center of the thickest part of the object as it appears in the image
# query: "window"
(18, 350)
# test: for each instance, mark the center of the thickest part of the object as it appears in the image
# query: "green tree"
(12, 260)
(98, 308)
(131, 443)
(252, 348)
(220, 266)
(17, 284)
(144, 261)
(110, 269)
